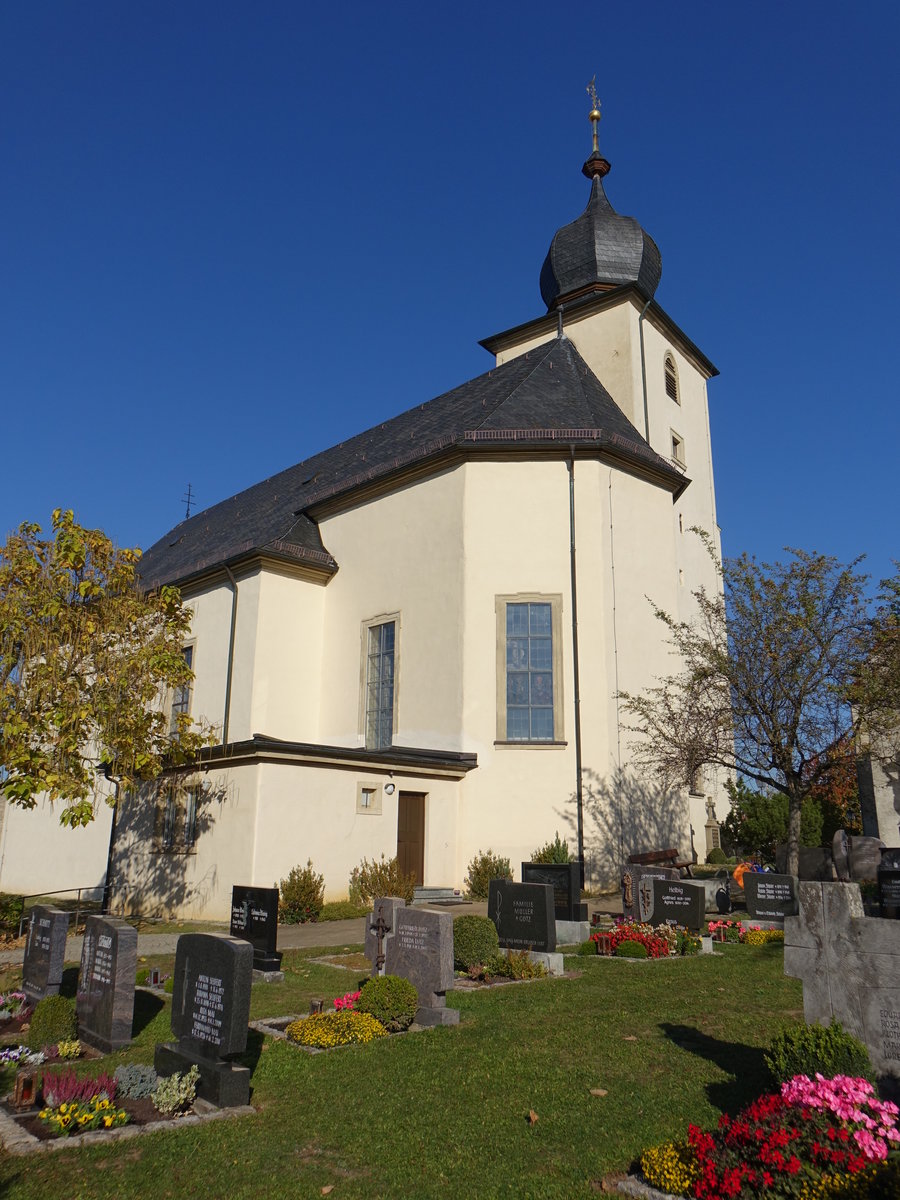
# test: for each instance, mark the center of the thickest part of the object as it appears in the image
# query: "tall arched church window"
(671, 379)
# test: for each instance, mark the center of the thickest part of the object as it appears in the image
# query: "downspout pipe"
(579, 799)
(644, 371)
(229, 669)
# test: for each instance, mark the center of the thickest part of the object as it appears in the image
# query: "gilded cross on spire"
(595, 113)
(596, 165)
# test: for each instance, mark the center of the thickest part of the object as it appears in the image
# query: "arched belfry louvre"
(671, 372)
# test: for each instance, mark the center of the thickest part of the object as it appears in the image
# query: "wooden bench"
(661, 858)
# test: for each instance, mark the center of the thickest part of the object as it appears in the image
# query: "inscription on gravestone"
(565, 879)
(254, 917)
(45, 950)
(105, 997)
(681, 903)
(210, 1015)
(889, 892)
(637, 889)
(416, 944)
(770, 897)
(881, 1017)
(524, 914)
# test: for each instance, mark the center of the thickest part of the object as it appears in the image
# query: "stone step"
(438, 895)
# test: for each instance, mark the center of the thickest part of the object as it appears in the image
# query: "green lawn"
(445, 1113)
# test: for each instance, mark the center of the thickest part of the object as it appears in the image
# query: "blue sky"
(233, 234)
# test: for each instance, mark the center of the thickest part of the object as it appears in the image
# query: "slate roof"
(536, 401)
(599, 248)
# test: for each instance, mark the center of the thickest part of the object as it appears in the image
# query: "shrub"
(392, 1001)
(811, 1049)
(342, 910)
(52, 1021)
(586, 949)
(553, 852)
(382, 878)
(671, 1167)
(522, 966)
(136, 1081)
(717, 856)
(485, 866)
(631, 950)
(498, 966)
(175, 1094)
(475, 941)
(169, 984)
(301, 896)
(11, 909)
(69, 1049)
(326, 1030)
(66, 1087)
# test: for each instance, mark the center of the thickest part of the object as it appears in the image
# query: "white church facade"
(411, 643)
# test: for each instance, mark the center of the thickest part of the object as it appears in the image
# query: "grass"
(445, 1113)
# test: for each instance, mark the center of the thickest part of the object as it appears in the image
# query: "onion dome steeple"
(600, 250)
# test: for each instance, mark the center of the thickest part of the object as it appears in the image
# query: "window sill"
(542, 745)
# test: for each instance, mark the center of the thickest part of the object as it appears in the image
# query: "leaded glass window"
(380, 686)
(529, 672)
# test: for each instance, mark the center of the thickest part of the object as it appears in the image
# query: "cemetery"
(585, 1081)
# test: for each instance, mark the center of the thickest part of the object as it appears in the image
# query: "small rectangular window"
(368, 799)
(677, 450)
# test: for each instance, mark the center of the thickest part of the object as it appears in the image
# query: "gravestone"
(210, 1015)
(770, 897)
(814, 862)
(524, 914)
(105, 997)
(889, 891)
(865, 857)
(45, 951)
(850, 967)
(565, 879)
(840, 852)
(254, 917)
(637, 889)
(679, 903)
(416, 944)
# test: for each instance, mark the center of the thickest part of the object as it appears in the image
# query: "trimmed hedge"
(475, 942)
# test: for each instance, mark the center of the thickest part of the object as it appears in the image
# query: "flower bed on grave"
(384, 1005)
(815, 1138)
(15, 1013)
(744, 934)
(643, 941)
(69, 1106)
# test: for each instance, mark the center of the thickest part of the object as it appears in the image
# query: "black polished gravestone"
(679, 903)
(889, 890)
(210, 1015)
(105, 996)
(45, 950)
(254, 917)
(524, 914)
(770, 897)
(565, 879)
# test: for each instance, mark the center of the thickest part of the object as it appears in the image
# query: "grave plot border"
(275, 1027)
(18, 1142)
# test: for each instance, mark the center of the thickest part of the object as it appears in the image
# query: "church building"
(411, 643)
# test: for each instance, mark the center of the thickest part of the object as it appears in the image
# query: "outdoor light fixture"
(389, 789)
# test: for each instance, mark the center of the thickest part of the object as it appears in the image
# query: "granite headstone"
(889, 892)
(524, 914)
(254, 917)
(865, 857)
(105, 997)
(210, 1015)
(770, 897)
(814, 862)
(416, 944)
(45, 951)
(850, 967)
(565, 879)
(679, 903)
(637, 889)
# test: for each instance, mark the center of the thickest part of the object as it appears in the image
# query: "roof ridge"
(509, 395)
